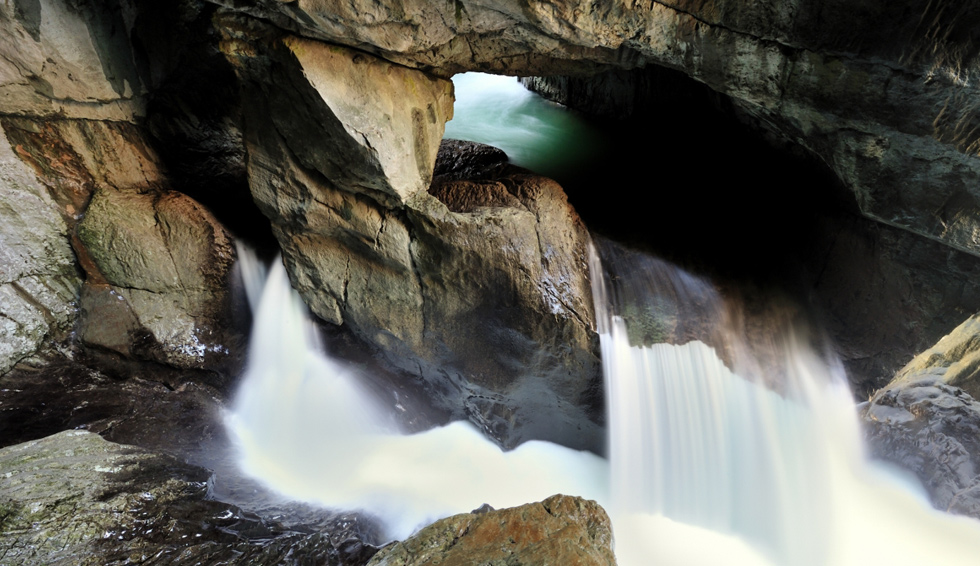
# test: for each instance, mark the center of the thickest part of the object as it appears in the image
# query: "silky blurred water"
(709, 464)
(305, 426)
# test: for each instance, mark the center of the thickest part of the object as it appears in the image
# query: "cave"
(817, 157)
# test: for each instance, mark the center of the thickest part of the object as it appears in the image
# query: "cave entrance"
(655, 159)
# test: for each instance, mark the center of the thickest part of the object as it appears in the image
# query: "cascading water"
(303, 426)
(708, 467)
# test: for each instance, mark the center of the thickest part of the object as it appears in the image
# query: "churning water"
(705, 466)
(305, 427)
(710, 467)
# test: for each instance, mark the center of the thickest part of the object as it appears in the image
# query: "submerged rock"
(74, 498)
(559, 530)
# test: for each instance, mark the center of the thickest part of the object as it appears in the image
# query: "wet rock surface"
(933, 430)
(927, 420)
(558, 530)
(74, 498)
(155, 407)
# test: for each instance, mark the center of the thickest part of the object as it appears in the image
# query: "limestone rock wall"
(39, 282)
(893, 113)
(489, 307)
(68, 59)
(155, 263)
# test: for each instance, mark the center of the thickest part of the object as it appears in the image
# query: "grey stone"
(954, 360)
(38, 282)
(74, 498)
(893, 113)
(67, 59)
(404, 272)
(932, 430)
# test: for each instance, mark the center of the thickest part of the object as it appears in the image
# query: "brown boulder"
(560, 530)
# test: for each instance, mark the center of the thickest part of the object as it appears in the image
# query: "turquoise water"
(535, 133)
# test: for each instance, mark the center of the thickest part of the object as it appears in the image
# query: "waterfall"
(718, 454)
(711, 467)
(303, 426)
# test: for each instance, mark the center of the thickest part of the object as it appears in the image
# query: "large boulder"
(558, 530)
(340, 162)
(73, 80)
(156, 263)
(74, 498)
(928, 421)
(162, 266)
(932, 430)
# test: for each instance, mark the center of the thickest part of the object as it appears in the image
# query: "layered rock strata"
(155, 263)
(893, 113)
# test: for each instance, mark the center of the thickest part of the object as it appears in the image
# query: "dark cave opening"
(681, 176)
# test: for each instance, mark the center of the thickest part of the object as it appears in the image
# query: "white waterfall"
(304, 427)
(708, 467)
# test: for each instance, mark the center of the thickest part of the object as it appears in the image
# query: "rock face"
(954, 360)
(927, 421)
(156, 263)
(367, 246)
(882, 93)
(558, 530)
(38, 279)
(887, 294)
(74, 498)
(67, 59)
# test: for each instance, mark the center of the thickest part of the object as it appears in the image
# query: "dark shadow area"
(681, 177)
